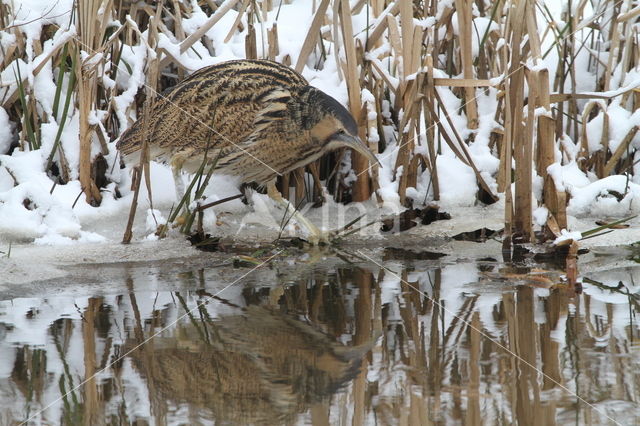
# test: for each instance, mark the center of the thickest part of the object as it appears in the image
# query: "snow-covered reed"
(466, 102)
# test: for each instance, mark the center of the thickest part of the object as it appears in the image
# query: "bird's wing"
(268, 142)
(216, 108)
(275, 113)
(207, 117)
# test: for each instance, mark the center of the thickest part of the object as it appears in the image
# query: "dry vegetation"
(541, 116)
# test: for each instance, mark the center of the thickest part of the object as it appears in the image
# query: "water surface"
(427, 340)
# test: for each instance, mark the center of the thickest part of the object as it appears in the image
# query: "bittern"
(256, 118)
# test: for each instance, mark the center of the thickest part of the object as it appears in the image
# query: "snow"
(43, 89)
(388, 185)
(457, 182)
(130, 78)
(600, 198)
(154, 218)
(567, 236)
(480, 26)
(621, 121)
(540, 216)
(6, 131)
(34, 209)
(32, 15)
(28, 211)
(594, 133)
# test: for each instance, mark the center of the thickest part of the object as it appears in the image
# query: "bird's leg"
(316, 235)
(179, 185)
(176, 168)
(181, 213)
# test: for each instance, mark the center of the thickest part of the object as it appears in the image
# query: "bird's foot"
(316, 236)
(320, 237)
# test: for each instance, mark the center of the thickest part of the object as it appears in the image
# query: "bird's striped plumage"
(259, 118)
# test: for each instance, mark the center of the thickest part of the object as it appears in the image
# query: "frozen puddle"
(393, 336)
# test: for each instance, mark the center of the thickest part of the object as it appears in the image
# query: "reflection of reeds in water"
(343, 346)
(261, 367)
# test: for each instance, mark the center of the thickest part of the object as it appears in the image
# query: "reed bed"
(423, 78)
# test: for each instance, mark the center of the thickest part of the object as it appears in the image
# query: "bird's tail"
(130, 141)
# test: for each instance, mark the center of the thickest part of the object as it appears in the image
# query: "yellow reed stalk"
(463, 7)
(312, 35)
(361, 189)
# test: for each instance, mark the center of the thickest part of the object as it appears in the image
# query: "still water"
(324, 341)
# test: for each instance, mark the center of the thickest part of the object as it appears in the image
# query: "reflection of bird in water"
(262, 367)
(258, 118)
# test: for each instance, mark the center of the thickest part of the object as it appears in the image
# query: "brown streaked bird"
(258, 118)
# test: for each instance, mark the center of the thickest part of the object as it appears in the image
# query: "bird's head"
(334, 126)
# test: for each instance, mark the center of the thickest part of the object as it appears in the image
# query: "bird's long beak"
(357, 144)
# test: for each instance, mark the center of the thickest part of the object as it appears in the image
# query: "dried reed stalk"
(272, 40)
(197, 35)
(86, 76)
(620, 150)
(237, 24)
(361, 189)
(312, 35)
(250, 41)
(381, 23)
(428, 105)
(143, 168)
(91, 29)
(463, 8)
(410, 51)
(515, 96)
(554, 200)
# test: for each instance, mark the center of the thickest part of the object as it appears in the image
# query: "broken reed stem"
(135, 182)
(215, 203)
(554, 200)
(428, 105)
(464, 151)
(524, 170)
(86, 76)
(142, 169)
